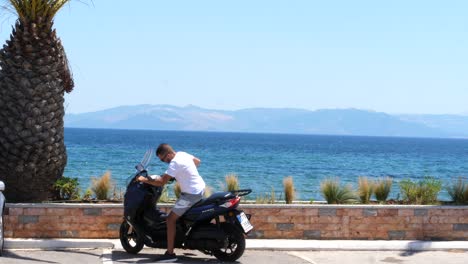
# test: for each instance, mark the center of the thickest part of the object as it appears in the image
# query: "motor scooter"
(214, 225)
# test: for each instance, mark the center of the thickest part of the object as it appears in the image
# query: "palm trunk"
(34, 75)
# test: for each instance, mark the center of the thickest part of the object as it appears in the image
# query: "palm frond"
(37, 10)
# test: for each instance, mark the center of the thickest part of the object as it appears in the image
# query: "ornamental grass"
(102, 186)
(334, 193)
(232, 182)
(266, 198)
(382, 189)
(422, 192)
(208, 191)
(458, 191)
(365, 188)
(177, 189)
(289, 191)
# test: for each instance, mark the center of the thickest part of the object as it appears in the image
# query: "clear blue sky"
(394, 56)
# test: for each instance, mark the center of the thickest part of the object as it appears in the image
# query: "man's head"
(165, 152)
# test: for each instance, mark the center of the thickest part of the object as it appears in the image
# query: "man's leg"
(171, 231)
(184, 203)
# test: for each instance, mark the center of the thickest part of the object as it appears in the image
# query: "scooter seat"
(215, 198)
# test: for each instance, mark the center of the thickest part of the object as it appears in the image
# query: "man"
(182, 167)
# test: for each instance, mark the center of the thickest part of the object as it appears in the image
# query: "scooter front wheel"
(129, 238)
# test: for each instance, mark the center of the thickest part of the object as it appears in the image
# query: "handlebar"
(145, 174)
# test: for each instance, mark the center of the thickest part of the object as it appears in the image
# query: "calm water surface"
(261, 161)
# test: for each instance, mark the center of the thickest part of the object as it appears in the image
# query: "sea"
(262, 161)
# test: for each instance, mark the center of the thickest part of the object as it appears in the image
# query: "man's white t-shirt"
(185, 171)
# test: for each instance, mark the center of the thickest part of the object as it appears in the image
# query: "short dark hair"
(163, 149)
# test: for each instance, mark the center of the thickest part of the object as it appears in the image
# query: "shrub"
(289, 191)
(430, 188)
(422, 192)
(67, 188)
(102, 186)
(409, 191)
(382, 189)
(334, 193)
(164, 198)
(87, 195)
(458, 191)
(232, 182)
(365, 188)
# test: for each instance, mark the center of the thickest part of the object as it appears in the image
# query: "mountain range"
(273, 120)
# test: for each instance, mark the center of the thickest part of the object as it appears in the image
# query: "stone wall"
(270, 221)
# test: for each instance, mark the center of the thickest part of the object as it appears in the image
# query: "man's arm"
(196, 161)
(158, 181)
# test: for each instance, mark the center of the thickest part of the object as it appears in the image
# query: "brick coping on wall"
(298, 221)
(250, 206)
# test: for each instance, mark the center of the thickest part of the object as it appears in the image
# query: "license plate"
(245, 223)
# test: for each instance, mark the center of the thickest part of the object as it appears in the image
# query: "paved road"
(107, 256)
(100, 256)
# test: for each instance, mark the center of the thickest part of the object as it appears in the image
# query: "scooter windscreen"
(136, 191)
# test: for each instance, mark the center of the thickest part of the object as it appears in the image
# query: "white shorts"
(185, 202)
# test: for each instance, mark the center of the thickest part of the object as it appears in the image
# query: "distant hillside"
(272, 120)
(454, 125)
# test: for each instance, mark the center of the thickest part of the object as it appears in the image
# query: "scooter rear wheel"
(129, 238)
(236, 244)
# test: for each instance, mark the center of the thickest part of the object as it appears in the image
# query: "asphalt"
(259, 244)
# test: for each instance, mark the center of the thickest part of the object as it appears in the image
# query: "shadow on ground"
(124, 257)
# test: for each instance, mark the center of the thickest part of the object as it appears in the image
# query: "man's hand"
(156, 181)
(196, 161)
(142, 179)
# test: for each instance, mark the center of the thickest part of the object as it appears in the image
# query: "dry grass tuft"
(267, 198)
(232, 182)
(102, 186)
(365, 188)
(208, 191)
(177, 190)
(382, 189)
(289, 191)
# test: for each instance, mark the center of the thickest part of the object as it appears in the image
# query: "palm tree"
(34, 75)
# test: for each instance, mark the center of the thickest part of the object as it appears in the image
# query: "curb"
(355, 245)
(259, 244)
(15, 243)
